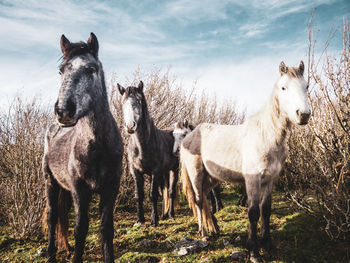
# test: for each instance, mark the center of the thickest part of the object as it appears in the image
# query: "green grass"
(297, 236)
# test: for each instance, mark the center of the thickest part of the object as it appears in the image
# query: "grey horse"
(83, 151)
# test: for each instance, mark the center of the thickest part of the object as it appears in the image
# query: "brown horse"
(253, 152)
(83, 150)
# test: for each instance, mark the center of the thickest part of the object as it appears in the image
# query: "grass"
(297, 236)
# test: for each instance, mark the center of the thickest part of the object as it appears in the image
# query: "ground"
(298, 237)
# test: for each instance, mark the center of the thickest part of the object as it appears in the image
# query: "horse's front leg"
(253, 192)
(81, 198)
(139, 194)
(154, 198)
(265, 209)
(107, 200)
(52, 190)
(174, 176)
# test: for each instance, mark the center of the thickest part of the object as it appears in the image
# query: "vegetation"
(297, 236)
(311, 205)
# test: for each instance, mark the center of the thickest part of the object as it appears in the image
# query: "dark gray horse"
(149, 152)
(83, 150)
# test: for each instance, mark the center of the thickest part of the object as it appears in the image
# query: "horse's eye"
(91, 70)
(283, 88)
(307, 87)
(60, 72)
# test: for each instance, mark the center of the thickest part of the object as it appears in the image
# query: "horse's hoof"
(205, 238)
(138, 224)
(255, 259)
(269, 247)
(164, 217)
(51, 260)
(154, 223)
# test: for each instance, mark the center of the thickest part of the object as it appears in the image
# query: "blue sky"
(229, 48)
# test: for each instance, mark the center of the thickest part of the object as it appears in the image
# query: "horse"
(149, 152)
(181, 130)
(83, 151)
(253, 152)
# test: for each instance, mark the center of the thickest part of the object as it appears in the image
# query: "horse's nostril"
(71, 108)
(57, 110)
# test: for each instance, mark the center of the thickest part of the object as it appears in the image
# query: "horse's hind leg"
(265, 209)
(81, 198)
(172, 192)
(154, 199)
(216, 199)
(253, 192)
(107, 199)
(52, 190)
(243, 199)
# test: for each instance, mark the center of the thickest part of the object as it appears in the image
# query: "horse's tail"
(64, 205)
(187, 188)
(208, 220)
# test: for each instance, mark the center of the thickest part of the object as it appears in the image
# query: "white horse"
(253, 152)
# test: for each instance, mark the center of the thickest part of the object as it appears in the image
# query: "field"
(298, 237)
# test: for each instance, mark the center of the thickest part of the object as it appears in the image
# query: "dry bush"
(317, 174)
(168, 103)
(22, 184)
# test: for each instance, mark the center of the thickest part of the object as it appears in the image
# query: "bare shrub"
(22, 184)
(317, 174)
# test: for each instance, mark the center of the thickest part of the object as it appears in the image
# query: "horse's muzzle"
(303, 118)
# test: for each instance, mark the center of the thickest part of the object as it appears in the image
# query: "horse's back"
(219, 149)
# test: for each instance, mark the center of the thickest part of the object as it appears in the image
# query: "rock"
(19, 250)
(146, 243)
(226, 242)
(182, 251)
(187, 245)
(237, 255)
(238, 239)
(203, 244)
(41, 252)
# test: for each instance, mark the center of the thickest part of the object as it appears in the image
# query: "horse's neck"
(97, 122)
(144, 133)
(273, 125)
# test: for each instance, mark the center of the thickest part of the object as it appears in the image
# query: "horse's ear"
(186, 123)
(121, 89)
(301, 67)
(93, 43)
(65, 44)
(140, 87)
(283, 68)
(175, 125)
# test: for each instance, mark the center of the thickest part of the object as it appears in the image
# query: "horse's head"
(133, 101)
(82, 80)
(181, 129)
(291, 91)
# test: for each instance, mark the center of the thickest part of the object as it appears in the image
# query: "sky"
(230, 48)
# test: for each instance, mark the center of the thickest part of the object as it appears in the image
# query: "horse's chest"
(274, 162)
